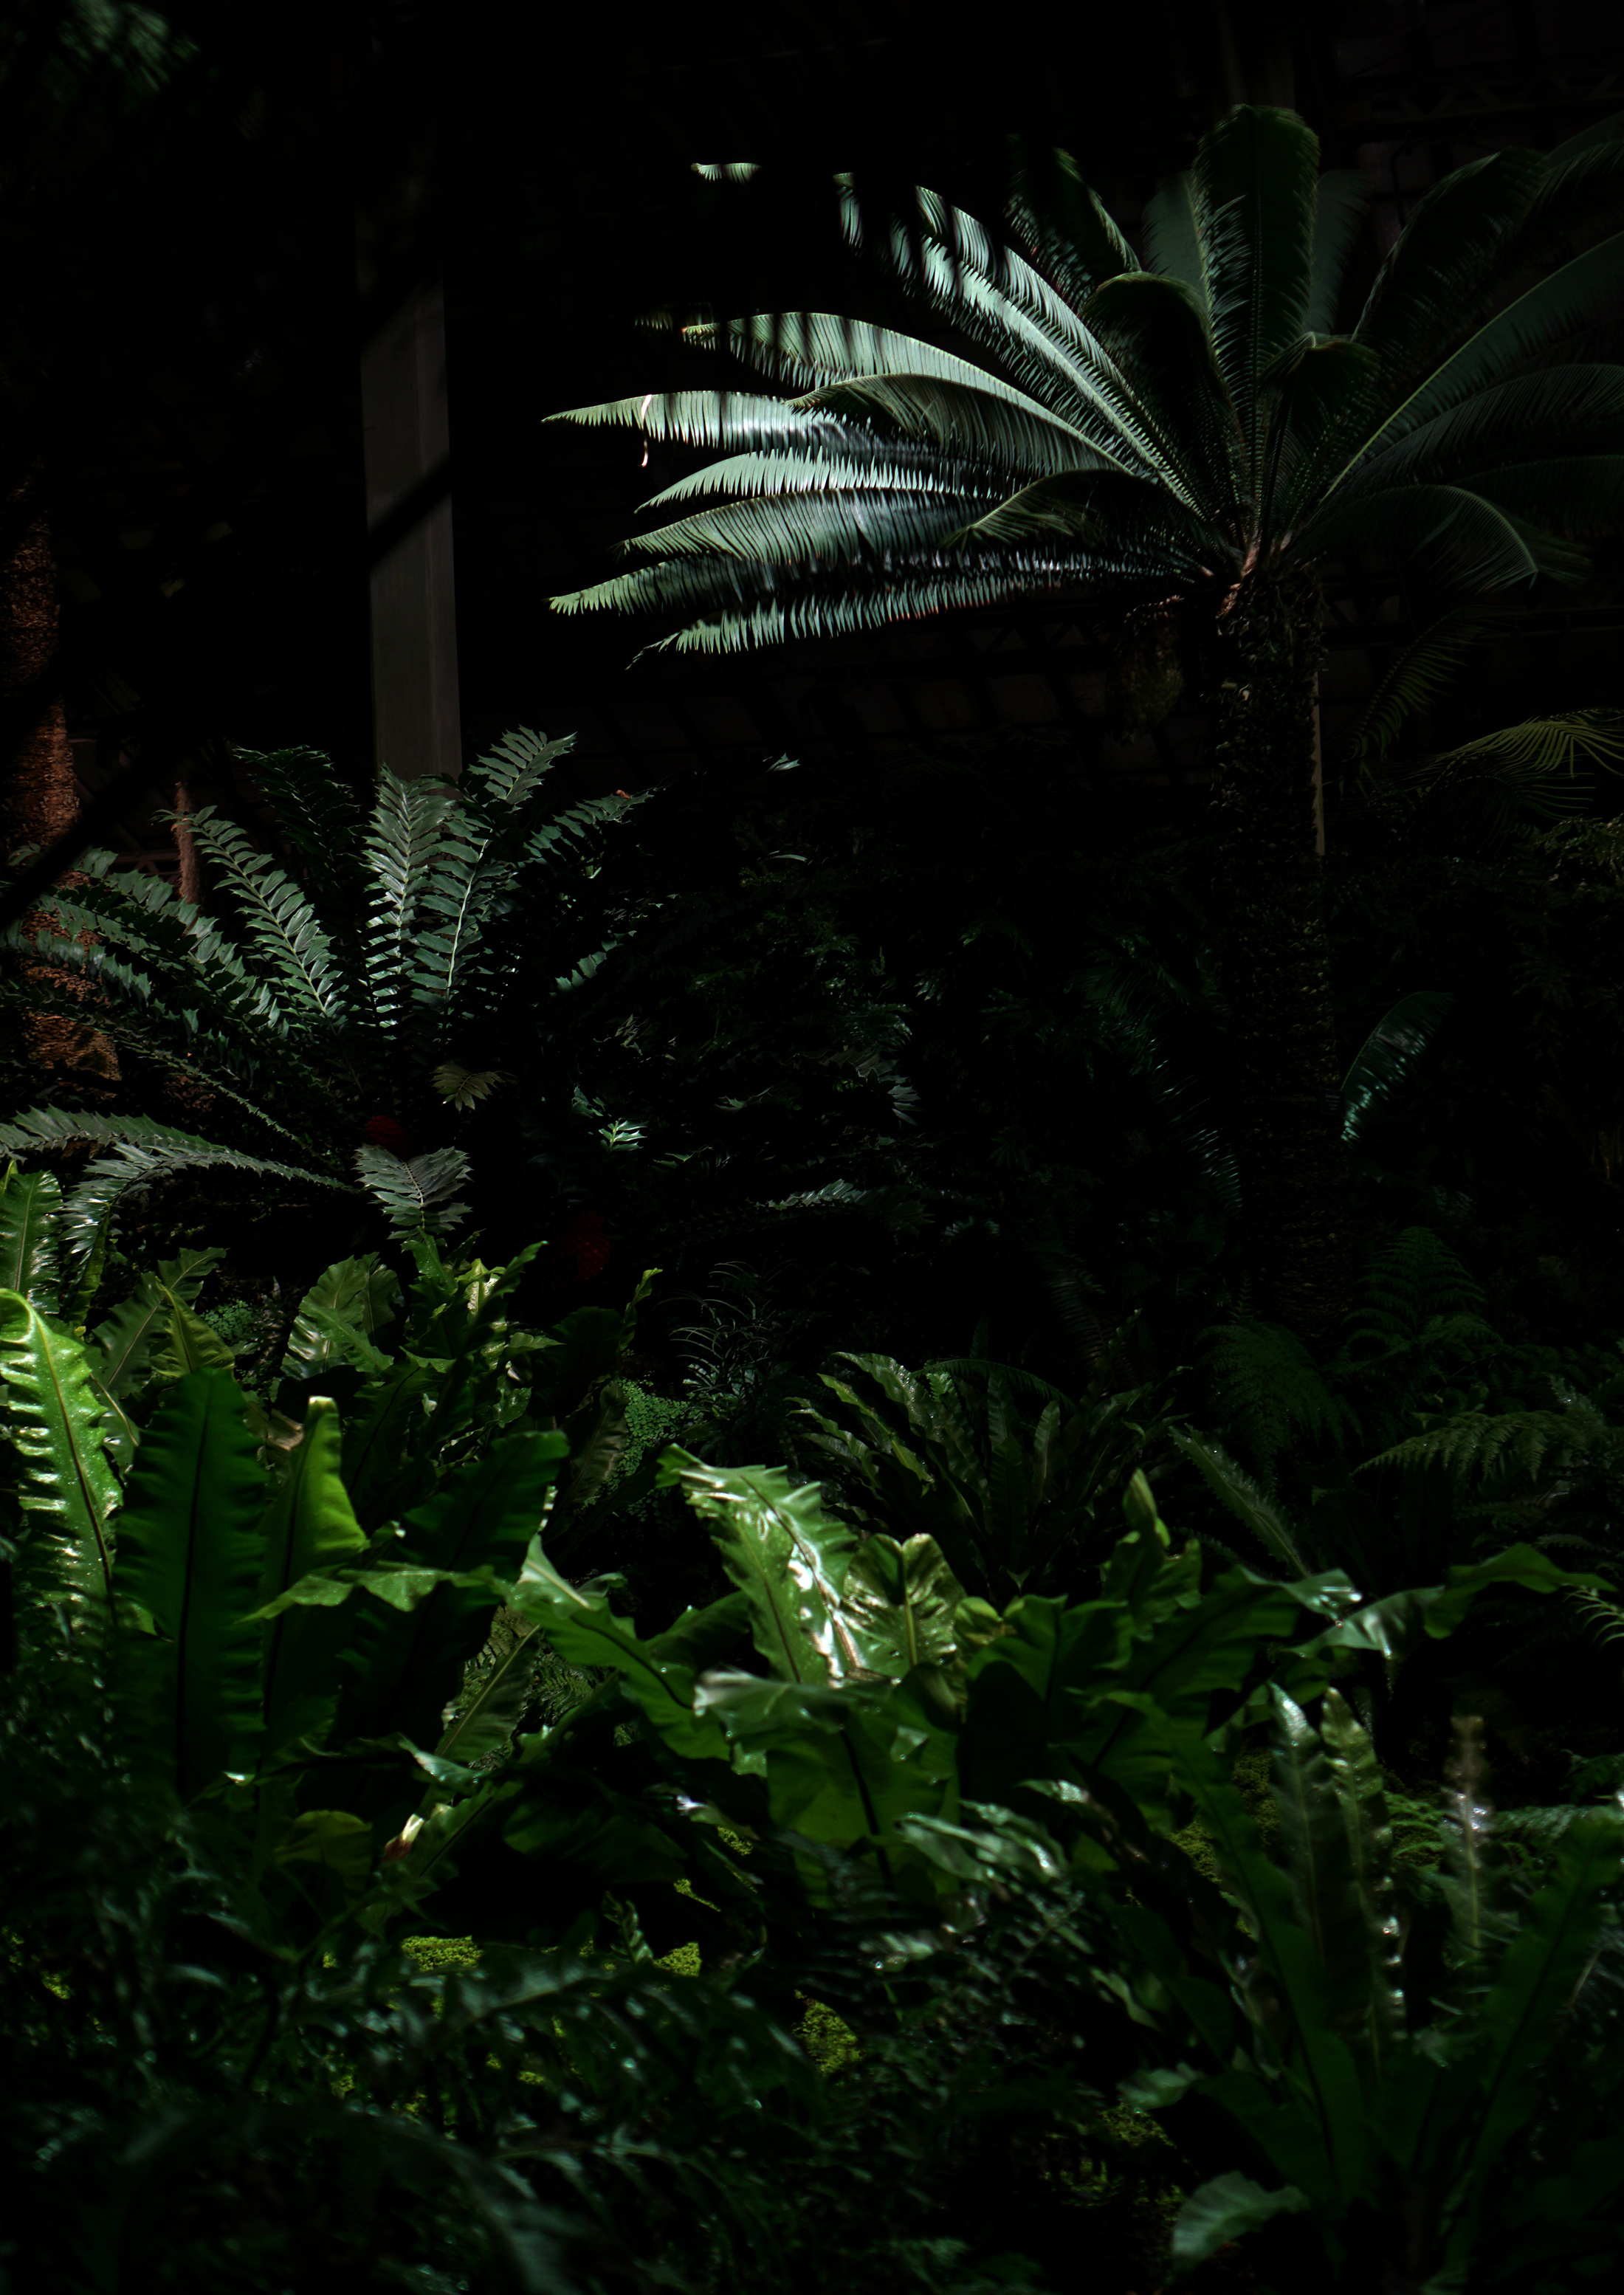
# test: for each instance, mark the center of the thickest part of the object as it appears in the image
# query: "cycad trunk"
(1274, 960)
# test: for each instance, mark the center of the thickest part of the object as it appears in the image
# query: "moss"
(828, 2040)
(431, 1953)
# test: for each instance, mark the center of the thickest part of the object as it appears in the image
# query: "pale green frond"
(1254, 181)
(712, 418)
(515, 771)
(816, 609)
(1545, 745)
(800, 526)
(1341, 202)
(1082, 385)
(883, 465)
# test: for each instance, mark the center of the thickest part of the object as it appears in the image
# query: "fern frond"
(30, 1208)
(1267, 1389)
(416, 1195)
(143, 1152)
(1476, 1445)
(314, 811)
(280, 922)
(398, 856)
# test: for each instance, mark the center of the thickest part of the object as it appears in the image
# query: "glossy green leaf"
(897, 1605)
(583, 1629)
(122, 1343)
(361, 1296)
(55, 1421)
(308, 1527)
(30, 1203)
(190, 1556)
(1226, 2208)
(784, 1554)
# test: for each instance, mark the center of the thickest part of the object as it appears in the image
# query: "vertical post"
(417, 725)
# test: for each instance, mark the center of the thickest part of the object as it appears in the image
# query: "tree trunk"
(38, 798)
(1274, 960)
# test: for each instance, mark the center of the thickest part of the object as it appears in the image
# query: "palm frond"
(1451, 534)
(1582, 291)
(1067, 229)
(1342, 201)
(1188, 422)
(1448, 254)
(1418, 675)
(1173, 245)
(1253, 182)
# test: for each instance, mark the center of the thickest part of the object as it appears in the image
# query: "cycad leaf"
(1254, 182)
(784, 1554)
(1388, 1054)
(54, 1420)
(190, 1555)
(30, 1204)
(1341, 202)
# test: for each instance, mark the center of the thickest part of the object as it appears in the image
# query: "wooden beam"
(417, 726)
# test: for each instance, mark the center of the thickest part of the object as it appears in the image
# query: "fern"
(370, 975)
(416, 1196)
(1267, 1390)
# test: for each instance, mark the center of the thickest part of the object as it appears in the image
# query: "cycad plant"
(1184, 432)
(345, 1009)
